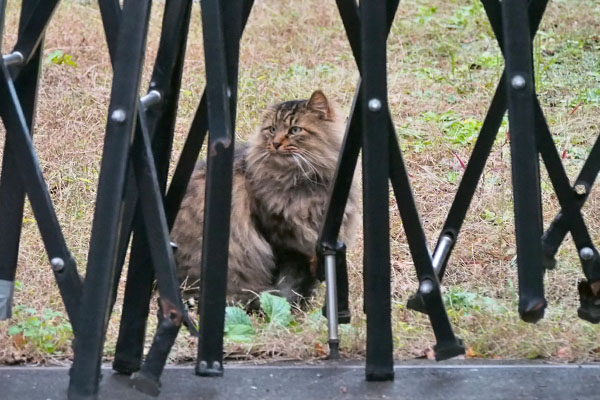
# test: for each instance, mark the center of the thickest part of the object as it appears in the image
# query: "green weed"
(59, 57)
(456, 130)
(48, 332)
(277, 314)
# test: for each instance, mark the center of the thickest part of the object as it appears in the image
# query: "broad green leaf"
(239, 333)
(316, 316)
(14, 330)
(276, 308)
(236, 316)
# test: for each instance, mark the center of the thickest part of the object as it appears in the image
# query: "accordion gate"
(133, 196)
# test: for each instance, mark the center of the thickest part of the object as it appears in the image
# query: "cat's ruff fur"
(281, 185)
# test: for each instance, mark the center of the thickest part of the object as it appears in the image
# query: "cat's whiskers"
(312, 157)
(298, 159)
(309, 162)
(316, 173)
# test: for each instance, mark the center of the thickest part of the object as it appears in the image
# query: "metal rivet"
(586, 253)
(518, 82)
(118, 115)
(58, 264)
(374, 105)
(216, 365)
(153, 97)
(14, 58)
(426, 286)
(203, 364)
(580, 189)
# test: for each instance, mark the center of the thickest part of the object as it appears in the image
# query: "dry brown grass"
(289, 49)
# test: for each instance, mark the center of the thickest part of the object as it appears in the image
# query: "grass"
(443, 67)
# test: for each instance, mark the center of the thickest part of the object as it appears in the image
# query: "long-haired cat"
(281, 185)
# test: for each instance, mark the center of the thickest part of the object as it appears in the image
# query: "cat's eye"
(295, 129)
(271, 129)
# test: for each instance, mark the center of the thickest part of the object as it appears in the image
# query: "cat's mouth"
(283, 153)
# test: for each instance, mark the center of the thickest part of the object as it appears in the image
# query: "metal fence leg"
(166, 80)
(558, 229)
(12, 193)
(525, 161)
(380, 363)
(221, 57)
(31, 177)
(95, 302)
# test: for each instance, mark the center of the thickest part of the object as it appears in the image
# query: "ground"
(443, 66)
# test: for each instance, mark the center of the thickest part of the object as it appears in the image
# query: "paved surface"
(415, 380)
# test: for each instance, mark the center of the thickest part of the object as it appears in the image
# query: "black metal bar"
(136, 304)
(110, 11)
(2, 18)
(525, 161)
(448, 345)
(111, 20)
(95, 301)
(327, 241)
(342, 181)
(187, 161)
(166, 79)
(130, 344)
(162, 257)
(380, 363)
(559, 227)
(486, 137)
(191, 149)
(129, 350)
(32, 180)
(154, 218)
(32, 33)
(570, 199)
(567, 197)
(474, 169)
(482, 147)
(12, 194)
(466, 189)
(221, 47)
(341, 274)
(147, 380)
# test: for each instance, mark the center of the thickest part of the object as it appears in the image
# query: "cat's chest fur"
(290, 217)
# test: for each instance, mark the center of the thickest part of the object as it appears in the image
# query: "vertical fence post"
(95, 302)
(166, 79)
(525, 160)
(376, 195)
(221, 88)
(12, 193)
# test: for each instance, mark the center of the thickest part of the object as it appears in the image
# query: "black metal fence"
(133, 198)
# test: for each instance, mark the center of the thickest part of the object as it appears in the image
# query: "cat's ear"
(318, 102)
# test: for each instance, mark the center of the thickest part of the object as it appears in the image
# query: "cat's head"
(300, 135)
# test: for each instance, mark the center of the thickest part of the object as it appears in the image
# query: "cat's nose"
(276, 145)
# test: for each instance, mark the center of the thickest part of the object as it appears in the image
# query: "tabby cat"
(281, 186)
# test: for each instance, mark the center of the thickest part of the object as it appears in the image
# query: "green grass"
(443, 68)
